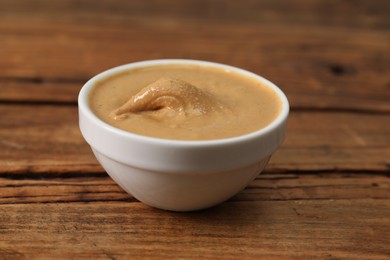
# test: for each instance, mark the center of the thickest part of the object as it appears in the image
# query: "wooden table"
(325, 193)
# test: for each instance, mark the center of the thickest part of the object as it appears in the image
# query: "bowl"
(180, 175)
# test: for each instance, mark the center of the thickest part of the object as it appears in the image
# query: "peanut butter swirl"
(168, 97)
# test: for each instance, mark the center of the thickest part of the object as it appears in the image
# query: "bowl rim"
(83, 104)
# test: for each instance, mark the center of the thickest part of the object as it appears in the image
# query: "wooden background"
(325, 193)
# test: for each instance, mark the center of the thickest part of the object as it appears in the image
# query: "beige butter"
(184, 102)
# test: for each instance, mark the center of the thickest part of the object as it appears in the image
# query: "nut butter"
(184, 102)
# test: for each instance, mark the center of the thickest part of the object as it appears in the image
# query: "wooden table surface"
(325, 193)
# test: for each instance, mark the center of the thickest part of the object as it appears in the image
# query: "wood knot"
(341, 70)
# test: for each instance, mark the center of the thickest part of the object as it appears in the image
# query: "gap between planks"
(293, 108)
(266, 187)
(270, 174)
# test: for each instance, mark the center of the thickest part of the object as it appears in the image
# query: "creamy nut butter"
(184, 102)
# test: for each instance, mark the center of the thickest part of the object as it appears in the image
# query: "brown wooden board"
(46, 138)
(309, 229)
(51, 52)
(99, 187)
(277, 216)
(325, 193)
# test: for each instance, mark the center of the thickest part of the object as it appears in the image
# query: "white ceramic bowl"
(180, 175)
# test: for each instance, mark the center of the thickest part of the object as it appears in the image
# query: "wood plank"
(266, 187)
(335, 141)
(39, 90)
(334, 67)
(309, 229)
(325, 193)
(274, 215)
(359, 13)
(43, 139)
(46, 139)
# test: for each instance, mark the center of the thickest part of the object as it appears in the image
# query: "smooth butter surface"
(236, 104)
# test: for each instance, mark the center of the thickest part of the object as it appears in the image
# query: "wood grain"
(270, 229)
(266, 187)
(46, 138)
(359, 14)
(278, 216)
(325, 193)
(334, 67)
